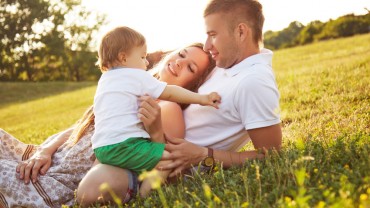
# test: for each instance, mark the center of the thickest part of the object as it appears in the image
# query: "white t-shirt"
(250, 99)
(116, 104)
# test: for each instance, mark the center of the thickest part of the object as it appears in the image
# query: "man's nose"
(207, 45)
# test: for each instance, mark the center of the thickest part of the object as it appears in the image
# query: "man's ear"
(243, 31)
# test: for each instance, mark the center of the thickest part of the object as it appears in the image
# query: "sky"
(171, 24)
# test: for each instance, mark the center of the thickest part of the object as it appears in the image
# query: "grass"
(325, 110)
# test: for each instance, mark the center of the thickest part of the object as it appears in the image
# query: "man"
(249, 109)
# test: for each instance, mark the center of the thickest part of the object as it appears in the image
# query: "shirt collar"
(264, 57)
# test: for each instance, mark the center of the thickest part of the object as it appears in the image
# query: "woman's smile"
(171, 68)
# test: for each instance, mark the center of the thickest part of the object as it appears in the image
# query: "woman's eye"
(181, 55)
(191, 69)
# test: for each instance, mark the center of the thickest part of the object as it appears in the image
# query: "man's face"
(221, 42)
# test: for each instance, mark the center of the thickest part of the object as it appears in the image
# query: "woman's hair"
(237, 11)
(120, 39)
(82, 125)
(197, 82)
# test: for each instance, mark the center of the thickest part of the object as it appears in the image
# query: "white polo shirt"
(116, 104)
(250, 99)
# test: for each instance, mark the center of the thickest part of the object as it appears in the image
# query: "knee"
(86, 196)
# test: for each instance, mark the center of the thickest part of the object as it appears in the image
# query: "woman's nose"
(180, 63)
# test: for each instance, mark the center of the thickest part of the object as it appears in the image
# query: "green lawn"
(325, 105)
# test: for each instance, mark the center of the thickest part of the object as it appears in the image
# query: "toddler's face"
(137, 58)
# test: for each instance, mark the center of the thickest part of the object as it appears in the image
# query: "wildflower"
(153, 176)
(321, 204)
(363, 197)
(103, 187)
(207, 191)
(217, 200)
(245, 204)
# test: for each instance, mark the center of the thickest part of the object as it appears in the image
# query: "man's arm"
(263, 139)
(185, 154)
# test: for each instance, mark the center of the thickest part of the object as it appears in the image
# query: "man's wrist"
(208, 160)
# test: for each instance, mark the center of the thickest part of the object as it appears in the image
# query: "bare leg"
(88, 192)
(146, 185)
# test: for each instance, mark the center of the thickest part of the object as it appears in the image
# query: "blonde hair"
(237, 11)
(83, 125)
(120, 39)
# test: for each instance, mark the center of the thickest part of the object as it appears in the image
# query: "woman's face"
(185, 67)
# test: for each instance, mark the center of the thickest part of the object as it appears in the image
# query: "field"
(325, 111)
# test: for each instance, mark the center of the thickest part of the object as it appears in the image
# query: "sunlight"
(169, 24)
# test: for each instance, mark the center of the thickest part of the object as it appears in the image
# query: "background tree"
(47, 40)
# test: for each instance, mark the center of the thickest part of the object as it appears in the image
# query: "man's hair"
(120, 39)
(237, 11)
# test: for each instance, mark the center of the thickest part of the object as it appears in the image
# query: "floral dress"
(69, 165)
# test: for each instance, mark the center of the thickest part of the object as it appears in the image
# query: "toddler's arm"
(180, 95)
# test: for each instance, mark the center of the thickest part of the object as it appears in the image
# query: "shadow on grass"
(19, 92)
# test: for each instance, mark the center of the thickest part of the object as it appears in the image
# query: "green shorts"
(136, 154)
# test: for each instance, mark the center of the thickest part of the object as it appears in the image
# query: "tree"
(308, 33)
(44, 40)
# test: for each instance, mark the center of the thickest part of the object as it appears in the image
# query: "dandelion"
(315, 170)
(346, 166)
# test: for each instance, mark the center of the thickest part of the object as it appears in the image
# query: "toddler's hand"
(212, 99)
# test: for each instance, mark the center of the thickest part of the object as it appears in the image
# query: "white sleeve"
(152, 86)
(257, 102)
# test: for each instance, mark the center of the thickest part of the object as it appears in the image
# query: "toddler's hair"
(120, 39)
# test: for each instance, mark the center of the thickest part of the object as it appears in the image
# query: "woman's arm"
(170, 122)
(40, 162)
(172, 119)
(185, 154)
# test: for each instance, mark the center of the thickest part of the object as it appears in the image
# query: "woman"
(63, 159)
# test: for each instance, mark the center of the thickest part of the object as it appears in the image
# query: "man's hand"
(150, 115)
(39, 163)
(184, 155)
(213, 99)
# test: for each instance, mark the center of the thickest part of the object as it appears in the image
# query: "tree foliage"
(298, 34)
(47, 40)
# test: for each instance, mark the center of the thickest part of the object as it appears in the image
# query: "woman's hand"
(150, 115)
(39, 163)
(184, 155)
